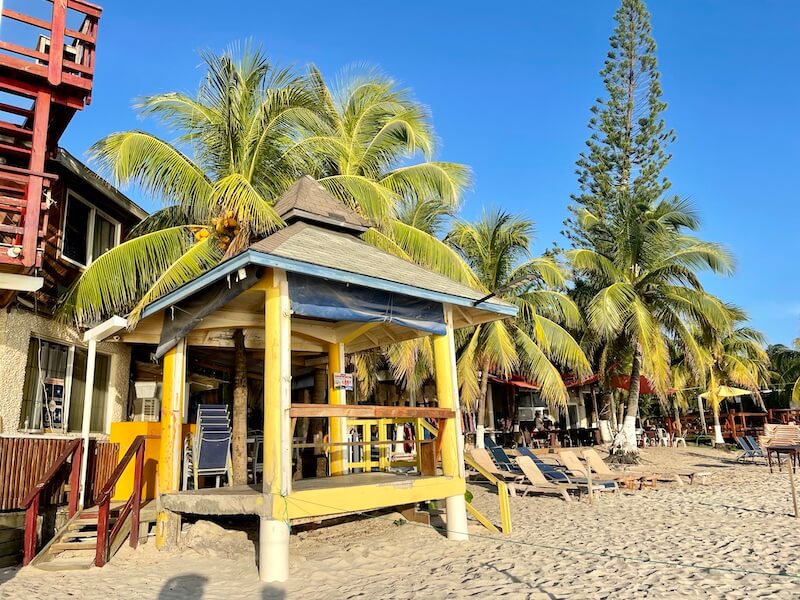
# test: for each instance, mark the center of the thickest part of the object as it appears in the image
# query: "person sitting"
(538, 422)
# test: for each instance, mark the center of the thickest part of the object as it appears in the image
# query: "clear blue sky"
(510, 85)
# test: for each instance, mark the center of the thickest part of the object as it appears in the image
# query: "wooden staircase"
(93, 535)
(74, 547)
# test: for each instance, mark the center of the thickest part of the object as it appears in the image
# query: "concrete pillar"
(273, 554)
(450, 430)
(273, 544)
(173, 390)
(338, 425)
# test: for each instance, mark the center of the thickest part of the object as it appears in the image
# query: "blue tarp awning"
(337, 301)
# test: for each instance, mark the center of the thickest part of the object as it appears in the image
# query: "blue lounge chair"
(747, 451)
(208, 452)
(755, 447)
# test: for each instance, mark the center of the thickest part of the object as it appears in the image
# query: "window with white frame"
(87, 232)
(55, 387)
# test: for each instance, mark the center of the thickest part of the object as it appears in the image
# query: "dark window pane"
(45, 375)
(76, 231)
(105, 236)
(99, 395)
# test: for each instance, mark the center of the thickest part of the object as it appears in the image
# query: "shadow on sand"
(192, 587)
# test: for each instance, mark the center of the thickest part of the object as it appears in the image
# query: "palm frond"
(118, 279)
(156, 167)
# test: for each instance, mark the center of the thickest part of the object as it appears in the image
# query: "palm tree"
(648, 291)
(217, 183)
(785, 376)
(734, 356)
(411, 361)
(535, 344)
(362, 150)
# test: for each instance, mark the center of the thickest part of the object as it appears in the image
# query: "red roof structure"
(46, 75)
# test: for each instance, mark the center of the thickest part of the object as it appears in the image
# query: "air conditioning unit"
(147, 403)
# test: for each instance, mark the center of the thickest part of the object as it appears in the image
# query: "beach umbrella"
(726, 391)
(723, 391)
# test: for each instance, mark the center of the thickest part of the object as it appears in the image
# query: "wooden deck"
(317, 497)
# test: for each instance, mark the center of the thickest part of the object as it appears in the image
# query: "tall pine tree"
(627, 150)
(621, 167)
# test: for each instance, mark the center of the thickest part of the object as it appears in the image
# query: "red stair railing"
(106, 537)
(31, 502)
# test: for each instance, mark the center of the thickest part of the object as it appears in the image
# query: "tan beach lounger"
(573, 464)
(484, 460)
(629, 480)
(517, 482)
(539, 481)
(600, 467)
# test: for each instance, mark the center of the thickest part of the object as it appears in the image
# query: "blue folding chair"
(755, 447)
(208, 452)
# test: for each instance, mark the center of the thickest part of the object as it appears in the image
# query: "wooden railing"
(502, 494)
(31, 502)
(52, 64)
(422, 459)
(368, 412)
(783, 415)
(364, 418)
(745, 423)
(106, 537)
(25, 460)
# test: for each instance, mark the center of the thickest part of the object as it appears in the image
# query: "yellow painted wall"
(124, 434)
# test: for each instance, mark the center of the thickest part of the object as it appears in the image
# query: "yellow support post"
(173, 390)
(449, 431)
(383, 449)
(274, 532)
(338, 425)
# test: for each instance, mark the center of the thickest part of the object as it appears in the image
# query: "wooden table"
(790, 450)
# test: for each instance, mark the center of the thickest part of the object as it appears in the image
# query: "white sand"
(741, 520)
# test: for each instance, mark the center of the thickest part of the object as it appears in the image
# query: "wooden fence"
(23, 460)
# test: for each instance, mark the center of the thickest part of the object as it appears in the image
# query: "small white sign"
(343, 381)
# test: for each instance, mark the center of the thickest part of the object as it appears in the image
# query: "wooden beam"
(368, 412)
(464, 315)
(352, 331)
(318, 331)
(231, 319)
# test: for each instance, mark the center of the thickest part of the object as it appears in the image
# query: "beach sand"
(656, 543)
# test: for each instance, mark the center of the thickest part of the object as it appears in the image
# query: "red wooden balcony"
(46, 74)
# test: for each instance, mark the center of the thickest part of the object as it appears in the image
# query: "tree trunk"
(718, 439)
(702, 410)
(606, 418)
(479, 426)
(612, 409)
(239, 439)
(677, 413)
(625, 442)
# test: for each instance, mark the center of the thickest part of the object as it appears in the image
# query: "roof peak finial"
(308, 201)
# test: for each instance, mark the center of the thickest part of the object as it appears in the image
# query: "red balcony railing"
(46, 74)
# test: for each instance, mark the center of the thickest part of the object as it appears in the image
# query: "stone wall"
(17, 326)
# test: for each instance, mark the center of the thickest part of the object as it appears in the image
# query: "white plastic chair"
(663, 437)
